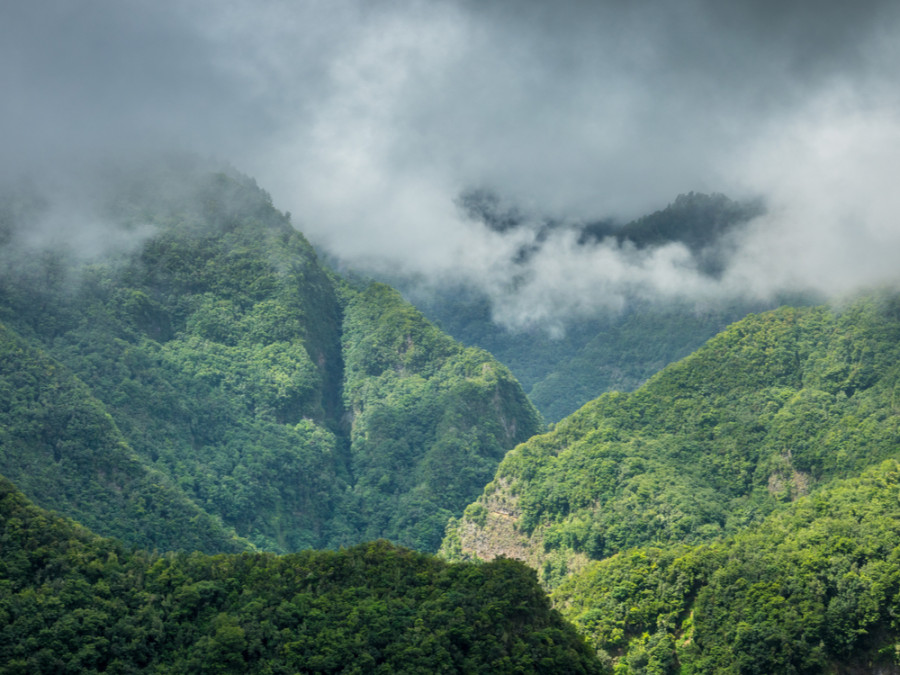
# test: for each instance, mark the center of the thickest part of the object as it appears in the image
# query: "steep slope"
(217, 342)
(611, 352)
(766, 411)
(431, 419)
(73, 602)
(214, 343)
(59, 443)
(814, 589)
(624, 351)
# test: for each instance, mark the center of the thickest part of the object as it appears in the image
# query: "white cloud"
(367, 119)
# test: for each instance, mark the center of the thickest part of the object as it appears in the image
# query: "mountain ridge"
(783, 428)
(757, 388)
(75, 602)
(565, 362)
(212, 386)
(222, 348)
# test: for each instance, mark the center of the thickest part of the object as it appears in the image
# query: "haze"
(367, 120)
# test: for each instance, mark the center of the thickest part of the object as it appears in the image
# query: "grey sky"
(367, 119)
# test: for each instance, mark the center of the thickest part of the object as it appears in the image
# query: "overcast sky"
(367, 119)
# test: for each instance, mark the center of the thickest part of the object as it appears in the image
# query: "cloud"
(368, 120)
(834, 220)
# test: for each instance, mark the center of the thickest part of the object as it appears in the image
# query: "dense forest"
(58, 440)
(71, 602)
(215, 403)
(813, 589)
(616, 351)
(694, 486)
(214, 371)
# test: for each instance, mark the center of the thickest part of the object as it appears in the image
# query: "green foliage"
(61, 445)
(295, 410)
(624, 351)
(813, 589)
(72, 602)
(760, 415)
(431, 419)
(562, 372)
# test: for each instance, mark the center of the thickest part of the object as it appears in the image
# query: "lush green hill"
(430, 419)
(813, 589)
(75, 603)
(624, 351)
(207, 384)
(612, 352)
(761, 414)
(672, 522)
(297, 410)
(58, 442)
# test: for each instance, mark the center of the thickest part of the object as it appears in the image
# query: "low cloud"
(369, 120)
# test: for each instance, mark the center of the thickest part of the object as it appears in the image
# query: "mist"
(368, 120)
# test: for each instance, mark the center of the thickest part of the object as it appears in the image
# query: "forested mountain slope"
(57, 441)
(430, 419)
(613, 352)
(763, 413)
(73, 602)
(814, 589)
(672, 522)
(296, 409)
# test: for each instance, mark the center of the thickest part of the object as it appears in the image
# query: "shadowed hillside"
(265, 391)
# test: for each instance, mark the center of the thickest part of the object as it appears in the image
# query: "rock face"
(490, 529)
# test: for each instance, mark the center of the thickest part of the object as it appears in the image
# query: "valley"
(222, 404)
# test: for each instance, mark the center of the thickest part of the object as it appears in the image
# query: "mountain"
(182, 372)
(58, 441)
(695, 485)
(74, 602)
(702, 222)
(812, 589)
(766, 410)
(430, 419)
(613, 351)
(264, 393)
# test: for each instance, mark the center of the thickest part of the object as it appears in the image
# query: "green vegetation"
(56, 440)
(71, 602)
(767, 412)
(813, 589)
(775, 405)
(262, 391)
(211, 387)
(624, 351)
(431, 420)
(614, 352)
